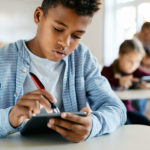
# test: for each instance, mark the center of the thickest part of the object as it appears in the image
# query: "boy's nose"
(65, 42)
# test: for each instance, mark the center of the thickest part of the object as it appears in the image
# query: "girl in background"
(125, 72)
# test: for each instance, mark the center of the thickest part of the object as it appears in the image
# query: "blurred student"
(140, 105)
(144, 35)
(125, 71)
(145, 64)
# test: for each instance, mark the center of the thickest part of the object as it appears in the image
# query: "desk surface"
(133, 94)
(130, 137)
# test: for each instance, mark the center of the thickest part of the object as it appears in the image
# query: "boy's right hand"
(127, 81)
(29, 104)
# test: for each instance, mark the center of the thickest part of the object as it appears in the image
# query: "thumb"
(130, 76)
(87, 110)
(135, 79)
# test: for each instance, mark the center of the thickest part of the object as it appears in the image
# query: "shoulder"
(81, 50)
(9, 53)
(83, 54)
(107, 69)
(8, 50)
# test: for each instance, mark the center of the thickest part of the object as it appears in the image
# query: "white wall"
(16, 22)
(94, 38)
(16, 19)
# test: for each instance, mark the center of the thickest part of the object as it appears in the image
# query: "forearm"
(107, 119)
(5, 127)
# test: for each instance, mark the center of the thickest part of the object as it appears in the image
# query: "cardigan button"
(24, 71)
(15, 94)
(11, 132)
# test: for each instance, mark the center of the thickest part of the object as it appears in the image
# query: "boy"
(68, 71)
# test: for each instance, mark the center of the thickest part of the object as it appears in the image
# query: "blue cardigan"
(82, 83)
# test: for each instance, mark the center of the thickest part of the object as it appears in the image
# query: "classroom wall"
(94, 38)
(16, 22)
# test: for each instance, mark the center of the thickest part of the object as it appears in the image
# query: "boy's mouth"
(59, 53)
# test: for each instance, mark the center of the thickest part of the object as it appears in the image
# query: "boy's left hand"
(72, 127)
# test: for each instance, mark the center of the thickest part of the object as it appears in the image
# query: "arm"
(107, 72)
(140, 72)
(108, 111)
(12, 119)
(5, 127)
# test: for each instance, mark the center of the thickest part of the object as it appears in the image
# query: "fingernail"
(52, 121)
(30, 114)
(37, 105)
(55, 100)
(49, 125)
(21, 119)
(64, 115)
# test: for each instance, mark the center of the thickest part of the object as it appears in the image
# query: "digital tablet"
(38, 123)
(144, 78)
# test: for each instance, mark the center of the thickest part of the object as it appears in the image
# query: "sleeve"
(140, 73)
(5, 127)
(108, 111)
(108, 74)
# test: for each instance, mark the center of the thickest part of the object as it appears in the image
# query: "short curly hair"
(81, 7)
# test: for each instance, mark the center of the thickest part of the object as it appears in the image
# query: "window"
(126, 18)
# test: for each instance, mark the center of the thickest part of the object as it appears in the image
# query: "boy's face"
(59, 32)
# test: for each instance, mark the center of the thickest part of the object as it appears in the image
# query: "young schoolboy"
(68, 71)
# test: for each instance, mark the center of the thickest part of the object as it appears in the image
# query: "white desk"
(131, 137)
(133, 94)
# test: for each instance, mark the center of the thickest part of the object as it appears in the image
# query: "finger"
(76, 128)
(87, 110)
(46, 94)
(36, 97)
(21, 113)
(25, 117)
(69, 135)
(66, 124)
(135, 79)
(74, 118)
(129, 76)
(32, 105)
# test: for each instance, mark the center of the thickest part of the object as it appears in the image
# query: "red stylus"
(39, 85)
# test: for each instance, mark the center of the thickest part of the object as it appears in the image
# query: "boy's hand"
(72, 127)
(29, 104)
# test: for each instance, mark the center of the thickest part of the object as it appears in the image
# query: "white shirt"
(49, 73)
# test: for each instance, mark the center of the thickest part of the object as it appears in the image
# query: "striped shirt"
(82, 83)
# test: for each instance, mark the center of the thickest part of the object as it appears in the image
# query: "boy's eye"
(76, 37)
(58, 30)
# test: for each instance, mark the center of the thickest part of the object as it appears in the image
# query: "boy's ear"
(38, 14)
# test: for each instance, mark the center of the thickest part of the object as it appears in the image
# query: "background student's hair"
(130, 46)
(145, 25)
(82, 7)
